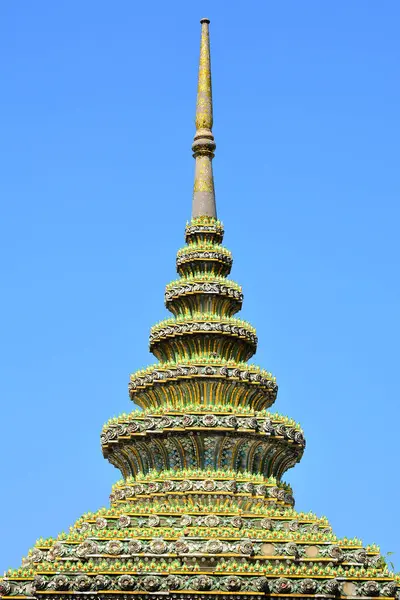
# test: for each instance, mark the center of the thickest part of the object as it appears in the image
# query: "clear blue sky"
(97, 102)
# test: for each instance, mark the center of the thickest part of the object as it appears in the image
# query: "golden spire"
(203, 145)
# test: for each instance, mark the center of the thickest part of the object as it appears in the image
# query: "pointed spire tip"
(203, 144)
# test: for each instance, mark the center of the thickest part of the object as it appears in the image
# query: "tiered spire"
(204, 145)
(201, 510)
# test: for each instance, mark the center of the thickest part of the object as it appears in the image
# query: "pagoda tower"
(201, 509)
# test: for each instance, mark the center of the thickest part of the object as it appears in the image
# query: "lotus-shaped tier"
(203, 384)
(262, 444)
(205, 257)
(203, 293)
(203, 334)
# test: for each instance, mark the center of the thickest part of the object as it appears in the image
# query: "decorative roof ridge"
(202, 317)
(145, 413)
(204, 245)
(202, 360)
(204, 277)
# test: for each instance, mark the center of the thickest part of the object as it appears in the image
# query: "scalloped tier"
(183, 340)
(194, 259)
(139, 424)
(204, 229)
(203, 262)
(202, 385)
(187, 297)
(202, 442)
(214, 488)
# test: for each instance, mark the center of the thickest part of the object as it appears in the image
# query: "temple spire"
(204, 145)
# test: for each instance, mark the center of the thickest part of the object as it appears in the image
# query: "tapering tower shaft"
(204, 145)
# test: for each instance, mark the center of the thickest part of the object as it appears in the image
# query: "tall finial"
(203, 145)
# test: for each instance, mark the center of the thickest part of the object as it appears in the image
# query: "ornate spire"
(201, 511)
(204, 145)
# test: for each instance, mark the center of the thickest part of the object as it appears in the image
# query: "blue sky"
(98, 107)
